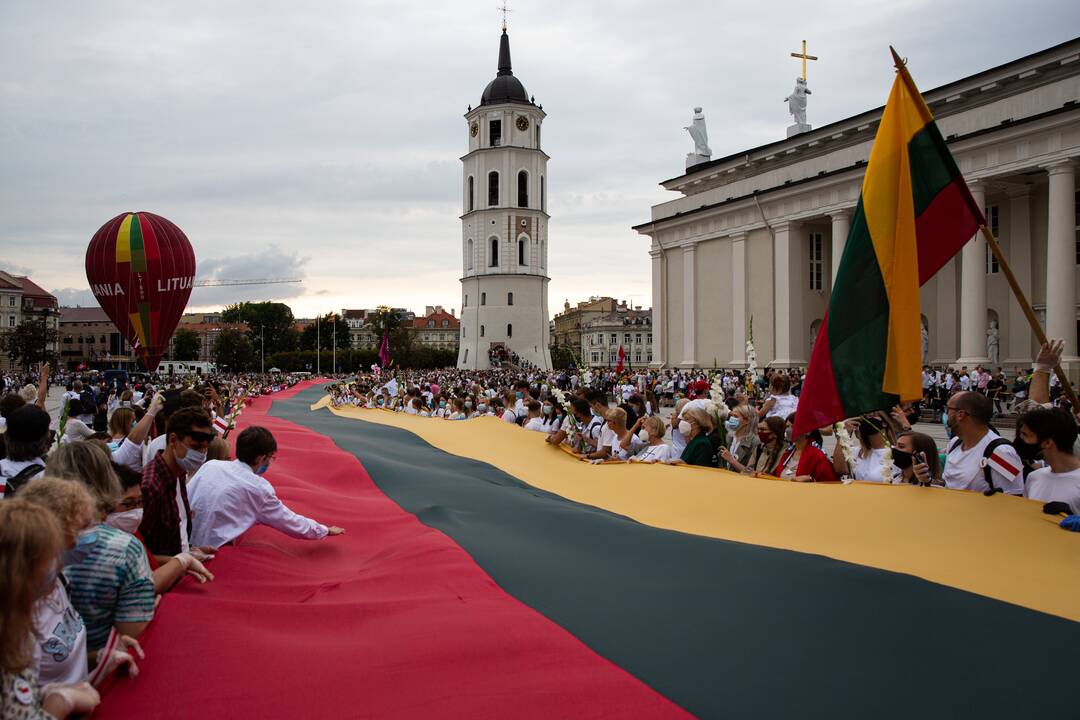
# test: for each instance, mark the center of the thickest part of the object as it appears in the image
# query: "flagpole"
(1029, 313)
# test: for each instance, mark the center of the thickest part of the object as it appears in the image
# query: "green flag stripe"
(138, 254)
(859, 322)
(932, 166)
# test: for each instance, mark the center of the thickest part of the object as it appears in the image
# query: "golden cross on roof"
(504, 10)
(804, 58)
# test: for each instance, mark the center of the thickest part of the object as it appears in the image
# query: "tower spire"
(504, 54)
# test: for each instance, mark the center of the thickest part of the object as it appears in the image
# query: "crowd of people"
(105, 509)
(132, 486)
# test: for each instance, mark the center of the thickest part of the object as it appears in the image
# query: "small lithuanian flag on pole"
(914, 214)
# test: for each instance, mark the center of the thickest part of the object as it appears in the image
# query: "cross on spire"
(504, 10)
(804, 57)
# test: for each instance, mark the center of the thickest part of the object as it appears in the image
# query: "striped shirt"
(111, 584)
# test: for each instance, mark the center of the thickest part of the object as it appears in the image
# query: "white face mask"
(128, 521)
(685, 427)
(192, 460)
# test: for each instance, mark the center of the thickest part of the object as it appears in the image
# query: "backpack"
(16, 481)
(988, 475)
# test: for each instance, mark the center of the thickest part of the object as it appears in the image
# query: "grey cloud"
(272, 262)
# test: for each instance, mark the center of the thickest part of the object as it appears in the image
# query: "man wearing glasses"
(976, 453)
(166, 521)
(229, 497)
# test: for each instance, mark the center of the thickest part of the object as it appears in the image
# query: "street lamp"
(262, 350)
(334, 343)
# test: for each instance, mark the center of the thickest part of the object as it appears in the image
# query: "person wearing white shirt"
(966, 460)
(229, 497)
(535, 421)
(1058, 485)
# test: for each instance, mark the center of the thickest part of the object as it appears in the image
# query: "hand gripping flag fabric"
(915, 212)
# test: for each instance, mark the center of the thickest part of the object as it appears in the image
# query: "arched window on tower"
(493, 254)
(481, 331)
(543, 200)
(543, 261)
(509, 330)
(537, 136)
(472, 188)
(509, 298)
(523, 189)
(493, 188)
(483, 298)
(470, 252)
(522, 250)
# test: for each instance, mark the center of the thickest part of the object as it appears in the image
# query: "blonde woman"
(625, 441)
(61, 655)
(656, 450)
(742, 427)
(30, 544)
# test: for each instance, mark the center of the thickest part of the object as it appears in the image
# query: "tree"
(272, 322)
(186, 345)
(234, 351)
(26, 344)
(322, 331)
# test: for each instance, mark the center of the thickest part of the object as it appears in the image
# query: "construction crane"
(255, 281)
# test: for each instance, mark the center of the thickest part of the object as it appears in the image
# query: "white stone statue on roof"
(797, 104)
(702, 152)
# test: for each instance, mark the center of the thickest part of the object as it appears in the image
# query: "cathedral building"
(756, 237)
(504, 226)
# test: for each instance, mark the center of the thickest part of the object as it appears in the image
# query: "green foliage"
(272, 322)
(25, 344)
(234, 351)
(322, 332)
(561, 356)
(186, 345)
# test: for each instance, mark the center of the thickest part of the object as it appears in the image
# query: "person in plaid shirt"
(166, 522)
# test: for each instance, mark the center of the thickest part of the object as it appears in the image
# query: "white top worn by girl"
(783, 405)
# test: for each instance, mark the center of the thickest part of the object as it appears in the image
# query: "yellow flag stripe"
(123, 240)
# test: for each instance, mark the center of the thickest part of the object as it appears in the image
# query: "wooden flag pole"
(1029, 313)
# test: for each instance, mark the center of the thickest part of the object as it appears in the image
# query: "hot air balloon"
(141, 269)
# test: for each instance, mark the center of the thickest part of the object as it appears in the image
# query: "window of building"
(481, 331)
(637, 356)
(817, 262)
(649, 339)
(466, 303)
(1077, 222)
(11, 301)
(613, 356)
(523, 189)
(495, 132)
(493, 188)
(648, 357)
(466, 359)
(540, 250)
(626, 338)
(992, 222)
(470, 253)
(446, 323)
(537, 136)
(614, 338)
(493, 255)
(483, 298)
(11, 322)
(637, 338)
(596, 357)
(509, 298)
(509, 330)
(472, 188)
(521, 251)
(431, 323)
(599, 338)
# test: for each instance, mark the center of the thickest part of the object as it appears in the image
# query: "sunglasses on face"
(200, 436)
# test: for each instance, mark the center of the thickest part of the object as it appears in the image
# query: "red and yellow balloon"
(141, 269)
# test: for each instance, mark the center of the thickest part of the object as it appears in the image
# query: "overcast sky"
(321, 140)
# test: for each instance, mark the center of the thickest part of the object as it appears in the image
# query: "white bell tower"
(504, 226)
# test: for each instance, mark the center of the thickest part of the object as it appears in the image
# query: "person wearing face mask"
(166, 522)
(109, 578)
(61, 653)
(655, 449)
(228, 498)
(1053, 432)
(30, 542)
(977, 458)
(916, 456)
(535, 419)
(867, 460)
(678, 440)
(126, 515)
(742, 430)
(694, 426)
(767, 453)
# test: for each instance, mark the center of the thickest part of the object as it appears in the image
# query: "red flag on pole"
(384, 350)
(622, 360)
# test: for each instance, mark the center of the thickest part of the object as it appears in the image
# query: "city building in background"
(22, 300)
(629, 328)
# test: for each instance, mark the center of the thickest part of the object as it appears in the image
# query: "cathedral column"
(841, 227)
(1061, 257)
(659, 307)
(738, 300)
(788, 266)
(973, 293)
(689, 302)
(1019, 250)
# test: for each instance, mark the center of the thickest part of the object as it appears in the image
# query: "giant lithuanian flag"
(915, 212)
